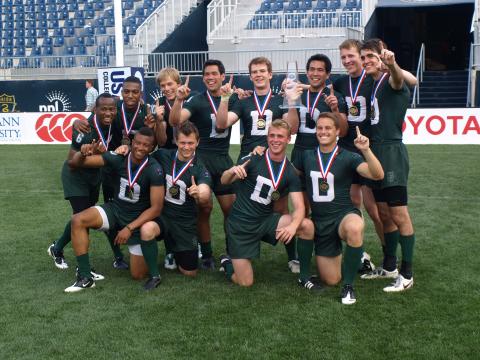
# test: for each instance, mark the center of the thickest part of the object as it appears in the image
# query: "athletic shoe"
(224, 259)
(81, 284)
(58, 258)
(294, 266)
(169, 262)
(312, 284)
(95, 276)
(152, 283)
(348, 295)
(367, 264)
(207, 263)
(120, 264)
(400, 284)
(380, 273)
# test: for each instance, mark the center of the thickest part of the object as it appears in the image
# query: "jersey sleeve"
(112, 160)
(237, 107)
(156, 174)
(77, 140)
(190, 104)
(357, 159)
(244, 159)
(202, 176)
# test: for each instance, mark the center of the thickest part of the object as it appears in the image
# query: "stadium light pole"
(117, 13)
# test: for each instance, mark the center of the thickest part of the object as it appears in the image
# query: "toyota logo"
(56, 127)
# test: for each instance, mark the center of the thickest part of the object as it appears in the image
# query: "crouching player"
(139, 200)
(187, 186)
(261, 180)
(329, 171)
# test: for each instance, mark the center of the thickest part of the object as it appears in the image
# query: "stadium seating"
(65, 29)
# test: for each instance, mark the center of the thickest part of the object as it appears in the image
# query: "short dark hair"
(91, 81)
(375, 45)
(187, 128)
(321, 57)
(145, 131)
(133, 79)
(330, 116)
(212, 62)
(104, 95)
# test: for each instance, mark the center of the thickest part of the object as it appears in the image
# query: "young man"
(139, 199)
(81, 186)
(256, 114)
(356, 87)
(318, 99)
(213, 148)
(328, 171)
(91, 95)
(187, 186)
(260, 181)
(389, 102)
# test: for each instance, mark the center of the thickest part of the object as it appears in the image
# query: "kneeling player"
(139, 200)
(187, 185)
(328, 173)
(260, 181)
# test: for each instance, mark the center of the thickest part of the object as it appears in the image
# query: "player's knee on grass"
(149, 231)
(187, 262)
(329, 269)
(243, 272)
(306, 230)
(138, 266)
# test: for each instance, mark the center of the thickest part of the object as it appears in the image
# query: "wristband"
(129, 228)
(225, 98)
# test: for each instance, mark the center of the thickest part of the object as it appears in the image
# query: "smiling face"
(187, 144)
(351, 61)
(131, 93)
(212, 78)
(371, 62)
(317, 74)
(106, 110)
(142, 145)
(169, 88)
(278, 138)
(326, 131)
(260, 76)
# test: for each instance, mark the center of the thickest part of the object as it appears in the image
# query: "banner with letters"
(111, 80)
(421, 126)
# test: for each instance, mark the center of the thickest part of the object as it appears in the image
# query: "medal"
(262, 119)
(311, 109)
(133, 179)
(212, 103)
(324, 170)
(175, 189)
(353, 110)
(376, 86)
(275, 195)
(105, 142)
(125, 141)
(128, 128)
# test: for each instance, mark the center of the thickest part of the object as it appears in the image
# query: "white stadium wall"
(421, 126)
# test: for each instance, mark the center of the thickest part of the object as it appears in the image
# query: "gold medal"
(174, 190)
(275, 195)
(261, 124)
(324, 186)
(353, 110)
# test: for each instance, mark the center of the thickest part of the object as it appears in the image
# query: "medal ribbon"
(212, 104)
(124, 118)
(104, 141)
(374, 92)
(354, 94)
(182, 170)
(131, 182)
(170, 106)
(261, 109)
(311, 110)
(275, 179)
(324, 172)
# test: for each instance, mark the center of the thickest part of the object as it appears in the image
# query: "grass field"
(207, 317)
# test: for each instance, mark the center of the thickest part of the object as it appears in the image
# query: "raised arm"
(177, 114)
(81, 159)
(225, 118)
(396, 75)
(371, 168)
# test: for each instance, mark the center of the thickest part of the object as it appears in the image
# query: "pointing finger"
(187, 80)
(157, 102)
(193, 181)
(358, 131)
(231, 80)
(244, 165)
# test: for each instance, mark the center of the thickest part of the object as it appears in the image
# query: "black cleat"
(348, 295)
(80, 284)
(207, 263)
(312, 284)
(152, 283)
(58, 258)
(120, 264)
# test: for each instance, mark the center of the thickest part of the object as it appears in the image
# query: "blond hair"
(168, 72)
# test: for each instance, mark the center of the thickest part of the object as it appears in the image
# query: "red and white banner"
(422, 126)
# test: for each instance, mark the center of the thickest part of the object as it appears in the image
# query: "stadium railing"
(59, 67)
(419, 75)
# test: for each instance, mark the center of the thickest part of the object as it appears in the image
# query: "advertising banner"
(111, 79)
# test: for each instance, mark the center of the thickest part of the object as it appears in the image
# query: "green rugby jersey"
(118, 126)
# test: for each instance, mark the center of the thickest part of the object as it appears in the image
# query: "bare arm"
(237, 172)
(371, 168)
(396, 75)
(157, 194)
(285, 234)
(177, 114)
(409, 78)
(80, 160)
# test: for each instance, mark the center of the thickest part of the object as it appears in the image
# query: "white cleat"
(380, 273)
(400, 284)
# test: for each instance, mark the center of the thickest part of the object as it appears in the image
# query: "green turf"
(207, 317)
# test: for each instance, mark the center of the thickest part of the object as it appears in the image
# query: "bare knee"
(189, 273)
(149, 231)
(331, 280)
(306, 229)
(137, 274)
(245, 282)
(206, 208)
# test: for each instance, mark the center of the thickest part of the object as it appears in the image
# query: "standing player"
(329, 170)
(389, 102)
(260, 181)
(139, 199)
(187, 185)
(356, 87)
(213, 148)
(81, 186)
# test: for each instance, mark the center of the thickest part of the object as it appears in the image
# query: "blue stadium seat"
(89, 40)
(88, 31)
(23, 63)
(101, 50)
(101, 30)
(88, 61)
(42, 24)
(350, 5)
(58, 41)
(51, 8)
(7, 42)
(78, 14)
(322, 5)
(31, 24)
(31, 41)
(139, 12)
(20, 52)
(7, 63)
(99, 21)
(79, 41)
(52, 16)
(69, 31)
(36, 51)
(88, 6)
(58, 31)
(52, 24)
(63, 15)
(131, 30)
(69, 61)
(19, 33)
(103, 61)
(99, 5)
(69, 23)
(47, 50)
(128, 5)
(80, 50)
(89, 14)
(79, 23)
(68, 50)
(7, 51)
(47, 41)
(19, 16)
(20, 42)
(72, 6)
(42, 32)
(126, 38)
